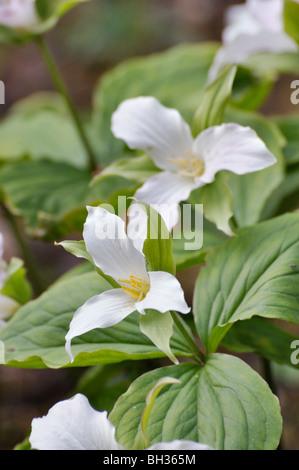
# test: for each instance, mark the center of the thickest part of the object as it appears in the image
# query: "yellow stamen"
(191, 166)
(138, 287)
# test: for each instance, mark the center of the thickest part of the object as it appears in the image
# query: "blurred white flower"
(120, 257)
(8, 306)
(74, 425)
(186, 163)
(251, 28)
(18, 13)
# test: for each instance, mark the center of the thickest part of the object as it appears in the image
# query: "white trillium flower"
(74, 425)
(187, 163)
(8, 306)
(18, 13)
(251, 28)
(120, 257)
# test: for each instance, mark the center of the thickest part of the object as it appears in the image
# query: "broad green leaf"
(158, 327)
(261, 336)
(44, 130)
(157, 247)
(52, 197)
(185, 258)
(35, 337)
(251, 192)
(224, 404)
(215, 98)
(256, 273)
(291, 19)
(177, 77)
(138, 169)
(16, 285)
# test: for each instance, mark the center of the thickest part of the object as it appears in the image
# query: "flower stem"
(33, 271)
(61, 88)
(188, 336)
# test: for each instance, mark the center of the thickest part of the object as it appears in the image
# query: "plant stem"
(33, 271)
(188, 336)
(62, 89)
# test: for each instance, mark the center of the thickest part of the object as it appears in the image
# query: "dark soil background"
(89, 40)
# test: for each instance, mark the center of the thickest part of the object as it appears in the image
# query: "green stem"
(33, 271)
(61, 88)
(188, 336)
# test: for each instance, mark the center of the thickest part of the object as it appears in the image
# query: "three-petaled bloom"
(187, 163)
(18, 13)
(251, 28)
(120, 256)
(8, 306)
(74, 425)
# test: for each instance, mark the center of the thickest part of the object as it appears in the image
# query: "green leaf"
(186, 258)
(256, 273)
(138, 169)
(45, 130)
(158, 327)
(35, 337)
(52, 197)
(261, 336)
(291, 19)
(16, 285)
(157, 247)
(224, 404)
(211, 109)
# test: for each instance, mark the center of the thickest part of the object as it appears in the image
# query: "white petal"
(137, 225)
(165, 294)
(179, 445)
(8, 307)
(101, 311)
(73, 425)
(231, 147)
(110, 247)
(269, 13)
(164, 192)
(144, 123)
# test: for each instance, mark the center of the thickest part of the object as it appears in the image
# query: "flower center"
(135, 287)
(189, 166)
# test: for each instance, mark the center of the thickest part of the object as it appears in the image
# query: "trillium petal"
(137, 225)
(101, 311)
(179, 445)
(165, 294)
(110, 247)
(231, 147)
(144, 123)
(73, 425)
(18, 13)
(164, 192)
